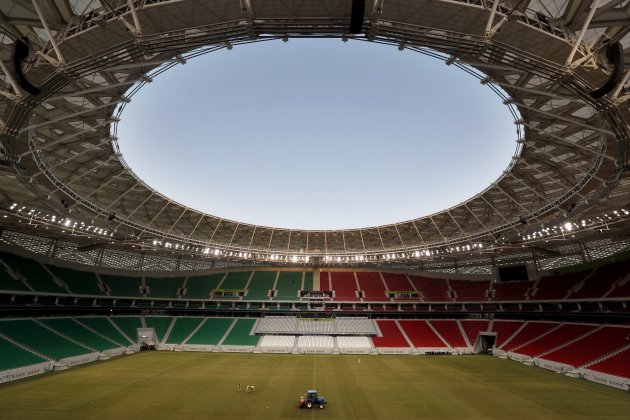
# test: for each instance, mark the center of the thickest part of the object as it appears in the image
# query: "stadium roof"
(70, 66)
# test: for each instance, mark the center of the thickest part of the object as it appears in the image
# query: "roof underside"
(61, 158)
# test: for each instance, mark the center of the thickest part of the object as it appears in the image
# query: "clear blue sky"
(317, 134)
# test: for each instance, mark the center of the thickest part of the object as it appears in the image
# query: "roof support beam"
(67, 116)
(16, 87)
(63, 139)
(121, 196)
(578, 41)
(176, 221)
(134, 15)
(563, 118)
(96, 146)
(620, 86)
(51, 38)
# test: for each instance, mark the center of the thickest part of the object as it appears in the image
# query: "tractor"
(312, 399)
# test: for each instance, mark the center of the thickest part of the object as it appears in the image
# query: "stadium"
(515, 302)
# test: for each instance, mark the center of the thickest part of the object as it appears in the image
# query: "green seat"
(71, 328)
(129, 325)
(33, 272)
(182, 329)
(159, 323)
(40, 339)
(240, 335)
(165, 287)
(200, 287)
(260, 285)
(211, 331)
(79, 282)
(13, 357)
(235, 281)
(104, 327)
(289, 285)
(122, 286)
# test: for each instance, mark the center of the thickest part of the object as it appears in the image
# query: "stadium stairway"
(97, 333)
(438, 334)
(510, 328)
(105, 327)
(168, 330)
(186, 328)
(535, 337)
(404, 334)
(8, 359)
(43, 323)
(463, 333)
(616, 363)
(565, 334)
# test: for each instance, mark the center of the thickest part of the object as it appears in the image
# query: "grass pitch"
(204, 385)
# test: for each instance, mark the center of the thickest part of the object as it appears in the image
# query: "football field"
(164, 385)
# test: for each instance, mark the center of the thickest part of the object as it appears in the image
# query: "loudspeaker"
(614, 54)
(356, 19)
(20, 52)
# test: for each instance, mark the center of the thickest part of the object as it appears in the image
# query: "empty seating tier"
(511, 291)
(397, 282)
(324, 342)
(7, 282)
(182, 328)
(433, 290)
(591, 347)
(165, 287)
(392, 336)
(618, 365)
(277, 324)
(315, 325)
(355, 325)
(421, 334)
(209, 333)
(240, 333)
(79, 282)
(122, 286)
(473, 327)
(562, 335)
(72, 329)
(531, 331)
(372, 286)
(598, 284)
(470, 290)
(200, 287)
(289, 285)
(159, 323)
(621, 291)
(33, 273)
(129, 325)
(284, 342)
(324, 281)
(345, 286)
(504, 330)
(354, 343)
(106, 328)
(260, 285)
(235, 281)
(13, 357)
(557, 287)
(308, 281)
(449, 330)
(40, 339)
